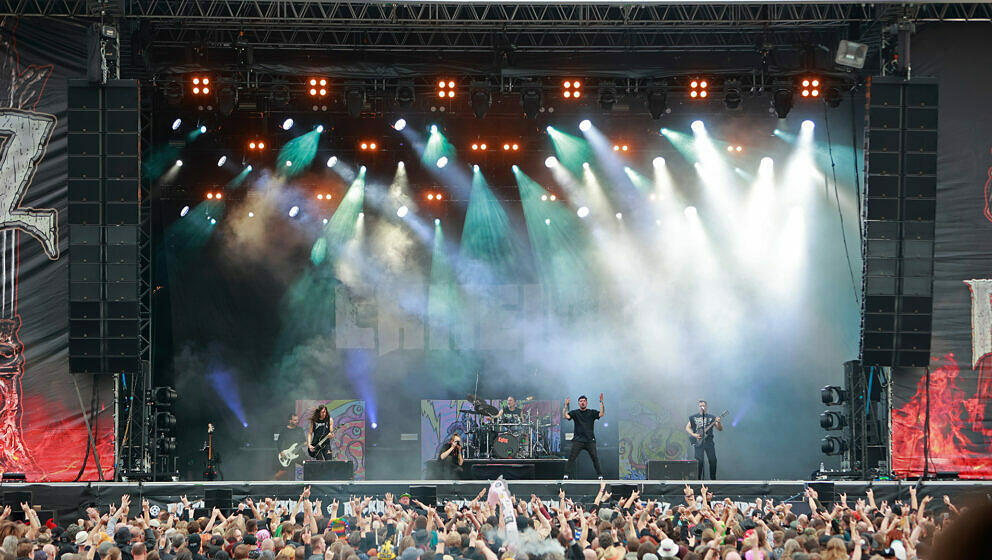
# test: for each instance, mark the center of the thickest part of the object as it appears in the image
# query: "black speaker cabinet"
(824, 491)
(221, 498)
(328, 470)
(672, 470)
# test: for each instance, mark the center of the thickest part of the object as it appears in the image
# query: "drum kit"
(523, 436)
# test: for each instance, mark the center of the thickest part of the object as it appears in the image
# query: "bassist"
(290, 441)
(700, 428)
(319, 436)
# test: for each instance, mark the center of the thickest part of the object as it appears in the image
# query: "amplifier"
(328, 470)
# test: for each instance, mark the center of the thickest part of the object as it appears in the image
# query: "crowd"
(489, 528)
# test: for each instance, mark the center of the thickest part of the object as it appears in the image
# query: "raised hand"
(6, 513)
(566, 403)
(947, 500)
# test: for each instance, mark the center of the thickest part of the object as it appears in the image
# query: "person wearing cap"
(667, 549)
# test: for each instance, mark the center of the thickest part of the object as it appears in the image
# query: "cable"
(89, 434)
(840, 213)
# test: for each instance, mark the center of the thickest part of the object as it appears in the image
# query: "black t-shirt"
(288, 436)
(512, 415)
(699, 421)
(452, 458)
(583, 421)
(320, 430)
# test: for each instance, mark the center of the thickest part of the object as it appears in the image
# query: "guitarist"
(291, 433)
(700, 428)
(319, 436)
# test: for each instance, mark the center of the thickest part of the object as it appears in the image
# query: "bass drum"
(510, 446)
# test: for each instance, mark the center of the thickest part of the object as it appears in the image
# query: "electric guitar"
(210, 473)
(290, 454)
(707, 427)
(323, 447)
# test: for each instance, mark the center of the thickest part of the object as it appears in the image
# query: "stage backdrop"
(960, 384)
(42, 431)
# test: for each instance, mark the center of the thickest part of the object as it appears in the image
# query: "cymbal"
(485, 408)
(466, 411)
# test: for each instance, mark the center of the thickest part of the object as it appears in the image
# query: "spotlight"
(320, 129)
(833, 445)
(176, 124)
(553, 198)
(221, 161)
(475, 168)
(354, 99)
(287, 124)
(248, 169)
(738, 149)
(732, 97)
(550, 162)
(698, 126)
(658, 161)
(251, 214)
(405, 94)
(433, 129)
(203, 129)
(368, 146)
(808, 126)
(851, 54)
(544, 197)
(547, 221)
(437, 221)
(179, 163)
(294, 211)
(430, 196)
(446, 88)
(699, 88)
(531, 99)
(585, 125)
(690, 212)
(831, 420)
(375, 426)
(320, 196)
(607, 95)
(832, 97)
(619, 215)
(582, 212)
(184, 211)
(201, 85)
(782, 102)
(332, 161)
(324, 221)
(400, 124)
(571, 89)
(480, 96)
(832, 395)
(213, 221)
(317, 87)
(657, 99)
(810, 87)
(219, 196)
(585, 165)
(402, 211)
(289, 163)
(442, 161)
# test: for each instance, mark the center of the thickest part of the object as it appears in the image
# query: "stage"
(68, 500)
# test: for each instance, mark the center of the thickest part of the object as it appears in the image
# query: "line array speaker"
(104, 177)
(899, 214)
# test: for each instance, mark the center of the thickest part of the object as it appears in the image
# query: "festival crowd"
(497, 527)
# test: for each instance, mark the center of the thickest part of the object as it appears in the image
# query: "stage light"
(475, 168)
(531, 99)
(550, 161)
(833, 445)
(324, 221)
(832, 395)
(402, 211)
(249, 168)
(219, 196)
(437, 221)
(375, 426)
(782, 102)
(201, 85)
(730, 148)
(585, 165)
(690, 212)
(810, 87)
(203, 129)
(320, 129)
(831, 420)
(430, 196)
(699, 88)
(480, 97)
(289, 163)
(400, 124)
(544, 197)
(354, 99)
(808, 126)
(658, 161)
(851, 54)
(475, 147)
(571, 89)
(446, 89)
(251, 214)
(184, 211)
(698, 126)
(619, 215)
(368, 146)
(585, 125)
(179, 163)
(739, 148)
(406, 94)
(317, 87)
(176, 124)
(320, 196)
(433, 129)
(514, 146)
(294, 211)
(582, 212)
(332, 161)
(657, 99)
(553, 198)
(607, 94)
(213, 221)
(732, 96)
(442, 161)
(221, 161)
(547, 221)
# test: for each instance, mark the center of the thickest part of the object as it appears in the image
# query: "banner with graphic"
(42, 429)
(959, 390)
(652, 431)
(348, 440)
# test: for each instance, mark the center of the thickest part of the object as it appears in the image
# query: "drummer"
(510, 413)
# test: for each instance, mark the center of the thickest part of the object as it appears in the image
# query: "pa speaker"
(221, 498)
(424, 493)
(672, 470)
(824, 491)
(328, 470)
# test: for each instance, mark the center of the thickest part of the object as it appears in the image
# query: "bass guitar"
(289, 455)
(706, 428)
(322, 448)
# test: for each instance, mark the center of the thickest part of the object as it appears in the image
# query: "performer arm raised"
(602, 407)
(564, 411)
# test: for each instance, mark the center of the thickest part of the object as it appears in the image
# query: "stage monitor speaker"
(328, 470)
(221, 498)
(672, 470)
(433, 470)
(424, 493)
(15, 498)
(624, 490)
(824, 491)
(492, 471)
